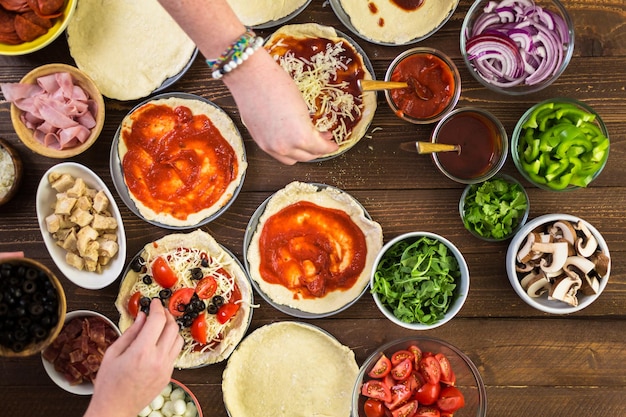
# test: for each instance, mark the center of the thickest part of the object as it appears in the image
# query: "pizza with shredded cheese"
(326, 68)
(202, 286)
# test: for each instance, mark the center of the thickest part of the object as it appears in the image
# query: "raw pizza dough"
(325, 197)
(258, 12)
(129, 48)
(289, 369)
(198, 241)
(399, 26)
(322, 85)
(228, 130)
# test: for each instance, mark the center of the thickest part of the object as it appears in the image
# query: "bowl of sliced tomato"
(419, 377)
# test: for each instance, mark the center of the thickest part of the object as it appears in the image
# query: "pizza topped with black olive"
(201, 285)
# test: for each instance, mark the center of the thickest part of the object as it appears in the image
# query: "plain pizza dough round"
(400, 26)
(128, 47)
(289, 369)
(258, 12)
(325, 197)
(230, 133)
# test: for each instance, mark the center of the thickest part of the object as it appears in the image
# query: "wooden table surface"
(532, 364)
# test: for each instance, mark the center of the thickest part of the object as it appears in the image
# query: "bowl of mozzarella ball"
(176, 400)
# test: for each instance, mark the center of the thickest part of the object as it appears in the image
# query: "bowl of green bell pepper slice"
(560, 144)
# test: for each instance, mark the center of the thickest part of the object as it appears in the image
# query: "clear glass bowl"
(468, 379)
(442, 100)
(470, 192)
(475, 148)
(475, 22)
(519, 141)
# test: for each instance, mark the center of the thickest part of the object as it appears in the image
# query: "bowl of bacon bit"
(28, 26)
(79, 112)
(72, 360)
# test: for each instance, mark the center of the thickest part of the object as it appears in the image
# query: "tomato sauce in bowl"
(434, 85)
(483, 141)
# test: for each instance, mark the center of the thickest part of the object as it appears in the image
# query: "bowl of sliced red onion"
(517, 46)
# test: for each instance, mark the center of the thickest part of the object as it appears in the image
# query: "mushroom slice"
(558, 255)
(525, 253)
(565, 289)
(584, 269)
(563, 229)
(601, 262)
(587, 244)
(535, 283)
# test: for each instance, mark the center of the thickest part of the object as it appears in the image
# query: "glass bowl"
(483, 140)
(434, 85)
(386, 272)
(468, 379)
(495, 209)
(541, 291)
(499, 46)
(560, 144)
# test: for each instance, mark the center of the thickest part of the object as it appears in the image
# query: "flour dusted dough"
(400, 26)
(324, 197)
(289, 369)
(228, 130)
(258, 12)
(128, 47)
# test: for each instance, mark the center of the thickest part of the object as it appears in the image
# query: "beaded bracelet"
(235, 55)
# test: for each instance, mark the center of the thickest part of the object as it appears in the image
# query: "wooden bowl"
(17, 166)
(26, 135)
(34, 348)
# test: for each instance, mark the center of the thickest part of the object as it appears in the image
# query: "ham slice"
(59, 111)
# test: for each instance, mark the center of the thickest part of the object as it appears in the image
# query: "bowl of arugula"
(495, 209)
(420, 280)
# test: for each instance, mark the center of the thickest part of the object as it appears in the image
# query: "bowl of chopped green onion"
(495, 209)
(420, 280)
(560, 144)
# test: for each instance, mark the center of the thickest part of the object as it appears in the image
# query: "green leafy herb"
(416, 280)
(494, 208)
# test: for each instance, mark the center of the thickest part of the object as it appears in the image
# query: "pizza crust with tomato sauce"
(289, 369)
(326, 67)
(179, 167)
(313, 248)
(182, 253)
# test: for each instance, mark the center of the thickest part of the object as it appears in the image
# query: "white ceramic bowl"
(459, 293)
(46, 196)
(86, 388)
(543, 303)
(168, 402)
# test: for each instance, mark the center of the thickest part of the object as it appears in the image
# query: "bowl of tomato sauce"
(433, 85)
(483, 141)
(419, 376)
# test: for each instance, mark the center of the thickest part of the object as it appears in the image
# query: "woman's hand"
(137, 366)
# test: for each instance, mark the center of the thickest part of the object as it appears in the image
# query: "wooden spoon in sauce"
(420, 90)
(429, 147)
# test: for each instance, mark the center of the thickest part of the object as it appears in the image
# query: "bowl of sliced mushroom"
(558, 263)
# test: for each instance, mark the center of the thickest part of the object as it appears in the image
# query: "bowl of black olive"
(32, 307)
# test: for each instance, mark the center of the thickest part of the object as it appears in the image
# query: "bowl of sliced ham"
(72, 359)
(57, 110)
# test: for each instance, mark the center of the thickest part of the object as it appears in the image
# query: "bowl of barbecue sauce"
(483, 141)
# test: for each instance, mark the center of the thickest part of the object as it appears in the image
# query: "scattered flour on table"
(7, 172)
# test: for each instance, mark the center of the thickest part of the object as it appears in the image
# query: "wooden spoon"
(422, 92)
(429, 147)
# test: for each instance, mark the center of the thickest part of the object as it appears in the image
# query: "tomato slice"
(133, 304)
(401, 355)
(374, 408)
(402, 370)
(450, 399)
(377, 390)
(206, 288)
(447, 376)
(428, 393)
(226, 312)
(163, 274)
(417, 355)
(407, 410)
(381, 367)
(429, 367)
(399, 395)
(427, 412)
(199, 329)
(179, 299)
